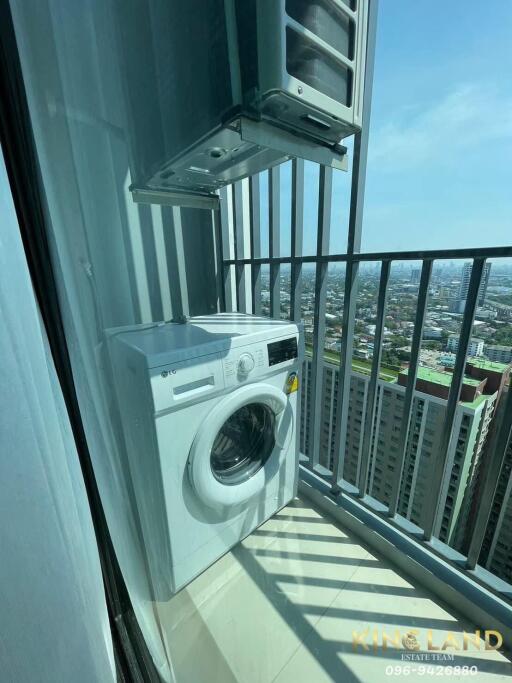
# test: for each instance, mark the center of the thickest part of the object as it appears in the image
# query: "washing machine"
(208, 413)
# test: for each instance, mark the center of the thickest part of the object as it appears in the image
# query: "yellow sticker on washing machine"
(292, 383)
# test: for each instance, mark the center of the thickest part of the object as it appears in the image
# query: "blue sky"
(440, 155)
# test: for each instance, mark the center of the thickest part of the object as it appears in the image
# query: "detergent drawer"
(186, 382)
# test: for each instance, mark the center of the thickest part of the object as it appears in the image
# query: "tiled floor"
(283, 605)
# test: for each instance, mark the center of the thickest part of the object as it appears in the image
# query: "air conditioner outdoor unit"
(218, 90)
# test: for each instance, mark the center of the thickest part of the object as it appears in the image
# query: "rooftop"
(359, 365)
(476, 402)
(443, 378)
(475, 340)
(485, 364)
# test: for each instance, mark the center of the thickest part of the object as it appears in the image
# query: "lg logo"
(165, 373)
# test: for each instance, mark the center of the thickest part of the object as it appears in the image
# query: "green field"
(359, 365)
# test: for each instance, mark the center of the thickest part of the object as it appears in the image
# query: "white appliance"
(209, 418)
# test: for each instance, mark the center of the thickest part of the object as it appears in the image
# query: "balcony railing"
(327, 404)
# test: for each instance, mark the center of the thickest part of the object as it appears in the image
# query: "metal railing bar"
(376, 421)
(324, 210)
(374, 378)
(219, 265)
(495, 454)
(336, 258)
(442, 464)
(297, 237)
(305, 403)
(332, 381)
(227, 251)
(238, 229)
(469, 254)
(360, 153)
(419, 322)
(241, 294)
(274, 228)
(434, 254)
(323, 235)
(255, 237)
(229, 290)
(345, 372)
(417, 456)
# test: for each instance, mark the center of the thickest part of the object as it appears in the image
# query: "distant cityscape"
(486, 381)
(447, 295)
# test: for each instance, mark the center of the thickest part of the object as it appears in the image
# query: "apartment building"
(472, 421)
(498, 353)
(476, 345)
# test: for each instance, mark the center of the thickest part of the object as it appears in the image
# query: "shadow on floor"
(327, 652)
(282, 607)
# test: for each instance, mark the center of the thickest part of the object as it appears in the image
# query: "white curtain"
(54, 625)
(110, 256)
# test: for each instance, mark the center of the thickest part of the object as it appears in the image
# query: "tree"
(432, 345)
(390, 358)
(503, 336)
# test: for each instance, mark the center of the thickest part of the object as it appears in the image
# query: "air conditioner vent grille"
(309, 64)
(326, 20)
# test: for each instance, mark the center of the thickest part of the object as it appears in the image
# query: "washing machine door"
(240, 445)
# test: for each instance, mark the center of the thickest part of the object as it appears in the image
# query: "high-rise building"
(496, 376)
(471, 425)
(415, 275)
(496, 553)
(464, 285)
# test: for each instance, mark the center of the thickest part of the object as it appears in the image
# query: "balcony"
(404, 521)
(415, 457)
(287, 603)
(425, 446)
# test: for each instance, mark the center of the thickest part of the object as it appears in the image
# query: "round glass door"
(243, 444)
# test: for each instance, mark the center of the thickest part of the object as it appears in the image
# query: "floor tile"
(379, 600)
(283, 605)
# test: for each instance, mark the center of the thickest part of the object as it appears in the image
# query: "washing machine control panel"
(241, 363)
(282, 350)
(247, 363)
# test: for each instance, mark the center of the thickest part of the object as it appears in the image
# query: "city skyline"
(486, 382)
